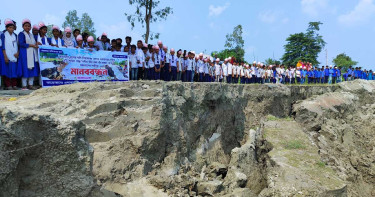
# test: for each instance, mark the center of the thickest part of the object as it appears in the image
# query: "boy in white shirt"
(225, 71)
(165, 70)
(150, 63)
(174, 65)
(217, 70)
(230, 71)
(133, 63)
(200, 65)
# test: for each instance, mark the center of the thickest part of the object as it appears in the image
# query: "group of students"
(19, 60)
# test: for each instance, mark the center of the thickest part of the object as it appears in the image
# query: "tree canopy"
(304, 46)
(85, 23)
(147, 12)
(234, 45)
(344, 61)
(271, 61)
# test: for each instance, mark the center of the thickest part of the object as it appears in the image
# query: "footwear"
(8, 88)
(31, 88)
(25, 88)
(15, 88)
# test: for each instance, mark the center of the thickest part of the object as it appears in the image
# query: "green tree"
(49, 31)
(147, 12)
(271, 61)
(344, 61)
(304, 46)
(235, 43)
(85, 23)
(72, 20)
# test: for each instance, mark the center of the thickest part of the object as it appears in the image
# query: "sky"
(201, 25)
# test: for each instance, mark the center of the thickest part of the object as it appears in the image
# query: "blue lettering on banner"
(68, 82)
(120, 56)
(51, 51)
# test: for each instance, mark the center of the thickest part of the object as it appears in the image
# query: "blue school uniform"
(369, 76)
(43, 42)
(1, 53)
(326, 72)
(22, 60)
(334, 74)
(57, 41)
(12, 69)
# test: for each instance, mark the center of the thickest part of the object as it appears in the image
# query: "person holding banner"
(42, 39)
(68, 38)
(28, 57)
(91, 44)
(10, 68)
(102, 44)
(56, 41)
(79, 41)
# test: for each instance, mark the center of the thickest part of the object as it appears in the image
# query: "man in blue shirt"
(310, 75)
(316, 75)
(334, 75)
(349, 73)
(338, 75)
(303, 75)
(326, 74)
(330, 72)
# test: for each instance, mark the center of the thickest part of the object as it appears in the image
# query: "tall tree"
(49, 31)
(147, 12)
(71, 20)
(304, 46)
(271, 61)
(236, 43)
(344, 61)
(85, 23)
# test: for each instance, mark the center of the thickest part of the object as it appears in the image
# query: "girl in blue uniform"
(10, 68)
(28, 55)
(56, 41)
(42, 38)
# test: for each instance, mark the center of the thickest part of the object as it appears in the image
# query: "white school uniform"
(217, 70)
(225, 70)
(173, 59)
(140, 57)
(133, 60)
(229, 68)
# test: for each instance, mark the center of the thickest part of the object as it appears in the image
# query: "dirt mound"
(163, 139)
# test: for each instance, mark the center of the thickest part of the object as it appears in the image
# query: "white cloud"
(285, 20)
(217, 10)
(313, 7)
(50, 19)
(272, 17)
(119, 30)
(362, 13)
(268, 16)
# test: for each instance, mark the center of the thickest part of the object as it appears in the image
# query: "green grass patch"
(294, 144)
(321, 164)
(274, 118)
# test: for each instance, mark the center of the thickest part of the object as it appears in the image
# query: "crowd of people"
(19, 61)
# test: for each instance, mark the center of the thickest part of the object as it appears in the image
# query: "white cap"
(254, 62)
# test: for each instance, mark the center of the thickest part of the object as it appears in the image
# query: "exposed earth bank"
(183, 139)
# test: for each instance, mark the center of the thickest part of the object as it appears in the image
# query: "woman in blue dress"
(28, 57)
(10, 68)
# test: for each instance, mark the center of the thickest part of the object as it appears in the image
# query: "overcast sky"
(201, 25)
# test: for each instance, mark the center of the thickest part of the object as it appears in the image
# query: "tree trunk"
(148, 17)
